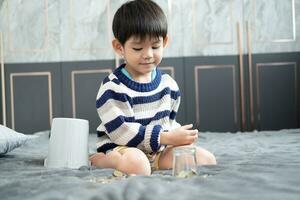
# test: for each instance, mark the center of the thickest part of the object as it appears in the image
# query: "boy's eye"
(156, 47)
(137, 49)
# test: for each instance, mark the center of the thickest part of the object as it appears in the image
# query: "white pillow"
(10, 139)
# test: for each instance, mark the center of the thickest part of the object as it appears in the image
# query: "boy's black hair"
(139, 18)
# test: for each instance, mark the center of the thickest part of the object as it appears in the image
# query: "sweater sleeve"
(175, 106)
(116, 114)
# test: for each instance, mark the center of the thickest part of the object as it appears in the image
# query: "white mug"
(68, 144)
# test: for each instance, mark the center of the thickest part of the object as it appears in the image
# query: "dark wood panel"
(210, 88)
(275, 95)
(216, 97)
(31, 101)
(175, 68)
(1, 110)
(213, 93)
(33, 96)
(80, 85)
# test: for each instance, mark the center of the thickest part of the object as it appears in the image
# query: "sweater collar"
(140, 87)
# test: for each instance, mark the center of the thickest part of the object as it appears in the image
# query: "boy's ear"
(166, 41)
(118, 47)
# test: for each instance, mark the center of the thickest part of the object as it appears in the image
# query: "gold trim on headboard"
(170, 68)
(197, 95)
(12, 75)
(250, 71)
(2, 79)
(241, 67)
(76, 72)
(257, 72)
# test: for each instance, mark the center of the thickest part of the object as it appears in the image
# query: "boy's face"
(142, 56)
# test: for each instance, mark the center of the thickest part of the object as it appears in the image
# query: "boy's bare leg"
(129, 160)
(134, 161)
(204, 157)
(102, 160)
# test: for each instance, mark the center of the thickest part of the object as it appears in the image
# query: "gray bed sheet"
(251, 165)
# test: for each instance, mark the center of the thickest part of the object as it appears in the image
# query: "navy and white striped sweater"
(134, 114)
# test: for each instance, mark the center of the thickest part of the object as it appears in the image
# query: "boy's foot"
(98, 159)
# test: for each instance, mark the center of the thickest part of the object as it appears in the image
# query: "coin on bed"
(186, 174)
(117, 173)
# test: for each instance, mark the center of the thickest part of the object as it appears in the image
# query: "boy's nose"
(148, 54)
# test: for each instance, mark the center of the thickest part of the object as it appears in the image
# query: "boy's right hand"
(183, 135)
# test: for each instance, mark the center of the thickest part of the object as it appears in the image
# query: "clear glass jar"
(184, 162)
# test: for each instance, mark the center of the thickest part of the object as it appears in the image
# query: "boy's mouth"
(146, 63)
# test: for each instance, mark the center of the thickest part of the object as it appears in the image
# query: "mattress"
(251, 165)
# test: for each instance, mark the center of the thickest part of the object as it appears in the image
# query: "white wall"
(71, 30)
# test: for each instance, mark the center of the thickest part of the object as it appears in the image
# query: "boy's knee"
(209, 159)
(205, 157)
(134, 161)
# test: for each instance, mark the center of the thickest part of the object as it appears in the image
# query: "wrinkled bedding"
(252, 165)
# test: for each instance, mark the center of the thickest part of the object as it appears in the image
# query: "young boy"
(137, 103)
